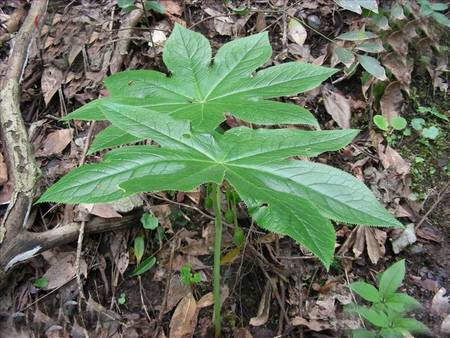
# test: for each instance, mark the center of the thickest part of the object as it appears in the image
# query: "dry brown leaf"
(55, 143)
(337, 105)
(360, 241)
(375, 243)
(51, 81)
(401, 70)
(392, 101)
(296, 32)
(184, 319)
(62, 269)
(242, 333)
(407, 237)
(119, 251)
(222, 24)
(103, 210)
(430, 234)
(260, 22)
(195, 247)
(208, 299)
(177, 291)
(445, 326)
(314, 325)
(162, 213)
(440, 304)
(172, 7)
(397, 41)
(264, 306)
(391, 159)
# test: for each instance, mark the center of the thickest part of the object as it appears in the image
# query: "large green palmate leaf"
(291, 197)
(202, 90)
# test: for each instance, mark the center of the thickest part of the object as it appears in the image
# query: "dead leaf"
(337, 105)
(222, 24)
(260, 22)
(392, 101)
(314, 325)
(177, 291)
(392, 159)
(119, 251)
(264, 307)
(398, 43)
(162, 213)
(445, 326)
(296, 32)
(430, 234)
(104, 210)
(195, 247)
(172, 7)
(51, 81)
(242, 333)
(401, 70)
(55, 143)
(375, 243)
(208, 299)
(184, 319)
(440, 304)
(62, 269)
(407, 238)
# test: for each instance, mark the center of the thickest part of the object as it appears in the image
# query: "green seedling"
(181, 114)
(41, 283)
(436, 10)
(397, 123)
(129, 5)
(189, 278)
(149, 221)
(146, 264)
(385, 315)
(122, 299)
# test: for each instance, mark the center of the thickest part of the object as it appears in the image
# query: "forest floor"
(271, 286)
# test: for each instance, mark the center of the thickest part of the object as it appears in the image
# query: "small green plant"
(189, 278)
(129, 5)
(181, 114)
(386, 313)
(146, 264)
(122, 299)
(389, 128)
(435, 10)
(41, 283)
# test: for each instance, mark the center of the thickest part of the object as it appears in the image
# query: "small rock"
(313, 21)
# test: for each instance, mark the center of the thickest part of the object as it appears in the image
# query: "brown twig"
(435, 204)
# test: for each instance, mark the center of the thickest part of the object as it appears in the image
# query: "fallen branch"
(125, 35)
(29, 244)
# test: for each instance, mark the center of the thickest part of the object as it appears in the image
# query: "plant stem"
(217, 246)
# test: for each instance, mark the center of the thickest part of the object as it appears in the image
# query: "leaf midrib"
(232, 69)
(249, 167)
(270, 191)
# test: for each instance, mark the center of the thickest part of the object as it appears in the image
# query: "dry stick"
(435, 204)
(166, 289)
(82, 226)
(124, 38)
